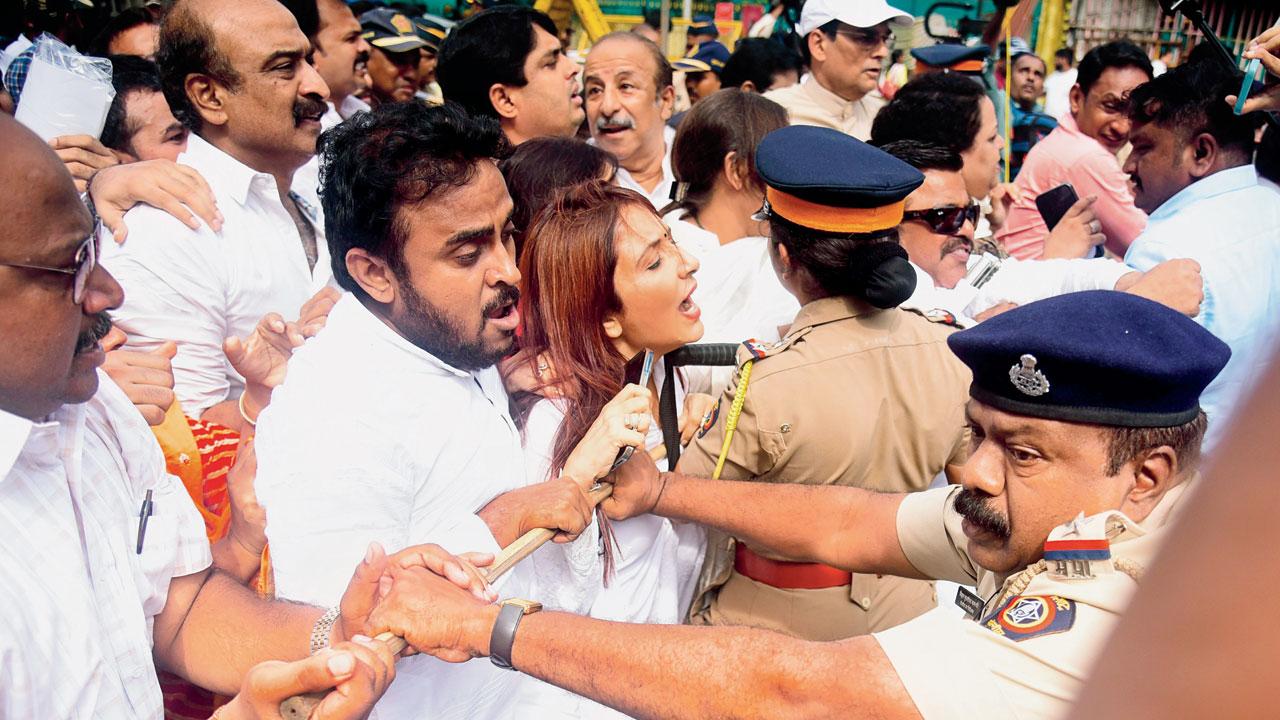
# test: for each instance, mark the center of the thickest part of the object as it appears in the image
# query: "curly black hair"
(377, 163)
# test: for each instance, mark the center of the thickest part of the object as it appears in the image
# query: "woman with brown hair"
(603, 281)
(718, 195)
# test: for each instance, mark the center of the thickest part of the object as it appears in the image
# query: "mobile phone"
(1055, 202)
(639, 369)
(1250, 74)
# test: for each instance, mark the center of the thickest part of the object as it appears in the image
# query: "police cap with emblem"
(1098, 357)
(389, 30)
(708, 57)
(953, 57)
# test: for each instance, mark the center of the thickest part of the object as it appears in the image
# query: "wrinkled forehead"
(617, 58)
(43, 214)
(940, 188)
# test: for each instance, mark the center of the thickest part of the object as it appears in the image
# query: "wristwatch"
(504, 630)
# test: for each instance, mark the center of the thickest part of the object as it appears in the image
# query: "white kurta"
(372, 438)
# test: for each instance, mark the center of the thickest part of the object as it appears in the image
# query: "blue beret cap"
(946, 55)
(703, 25)
(1098, 357)
(710, 56)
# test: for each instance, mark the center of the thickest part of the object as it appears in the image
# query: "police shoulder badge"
(1028, 616)
(1027, 378)
(709, 420)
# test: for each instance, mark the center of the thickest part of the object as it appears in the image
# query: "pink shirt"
(1069, 156)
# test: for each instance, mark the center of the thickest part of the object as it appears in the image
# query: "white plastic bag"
(66, 93)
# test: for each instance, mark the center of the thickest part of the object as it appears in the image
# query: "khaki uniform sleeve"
(956, 668)
(930, 535)
(747, 457)
(960, 452)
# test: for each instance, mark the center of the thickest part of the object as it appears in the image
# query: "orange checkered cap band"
(834, 219)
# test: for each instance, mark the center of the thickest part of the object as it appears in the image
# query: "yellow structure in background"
(1052, 32)
(588, 12)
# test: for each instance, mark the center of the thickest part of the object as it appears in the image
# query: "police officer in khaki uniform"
(1086, 427)
(857, 393)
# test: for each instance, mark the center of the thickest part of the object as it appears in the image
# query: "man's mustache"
(954, 243)
(507, 295)
(623, 123)
(90, 338)
(308, 108)
(972, 506)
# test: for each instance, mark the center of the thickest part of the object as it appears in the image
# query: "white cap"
(858, 13)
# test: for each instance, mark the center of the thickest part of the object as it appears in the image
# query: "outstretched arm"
(659, 671)
(844, 527)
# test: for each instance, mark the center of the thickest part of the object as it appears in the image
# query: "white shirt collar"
(351, 313)
(233, 175)
(14, 431)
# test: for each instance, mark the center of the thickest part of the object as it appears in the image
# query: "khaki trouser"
(869, 604)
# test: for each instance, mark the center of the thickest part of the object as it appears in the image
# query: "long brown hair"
(568, 265)
(726, 121)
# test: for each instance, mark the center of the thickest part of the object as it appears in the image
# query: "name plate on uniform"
(969, 602)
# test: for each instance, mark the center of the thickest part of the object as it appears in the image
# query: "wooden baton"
(300, 707)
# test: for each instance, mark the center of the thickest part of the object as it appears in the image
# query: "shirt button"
(866, 601)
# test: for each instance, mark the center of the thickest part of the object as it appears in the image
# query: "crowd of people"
(825, 412)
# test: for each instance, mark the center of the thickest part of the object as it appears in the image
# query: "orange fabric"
(787, 575)
(834, 219)
(201, 455)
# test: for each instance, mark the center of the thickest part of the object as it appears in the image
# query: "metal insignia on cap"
(401, 23)
(1027, 378)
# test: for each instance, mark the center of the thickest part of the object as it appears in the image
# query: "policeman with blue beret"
(857, 392)
(702, 69)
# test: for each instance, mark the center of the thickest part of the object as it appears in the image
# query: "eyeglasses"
(868, 37)
(944, 220)
(82, 267)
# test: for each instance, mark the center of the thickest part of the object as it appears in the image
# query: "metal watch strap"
(504, 630)
(323, 628)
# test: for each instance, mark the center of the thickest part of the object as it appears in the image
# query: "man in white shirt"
(845, 44)
(104, 575)
(237, 74)
(630, 97)
(937, 233)
(1057, 87)
(393, 424)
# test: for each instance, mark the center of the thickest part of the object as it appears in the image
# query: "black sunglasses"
(86, 259)
(944, 220)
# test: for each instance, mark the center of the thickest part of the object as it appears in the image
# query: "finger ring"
(1095, 227)
(542, 367)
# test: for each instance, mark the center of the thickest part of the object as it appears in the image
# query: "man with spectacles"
(961, 287)
(845, 43)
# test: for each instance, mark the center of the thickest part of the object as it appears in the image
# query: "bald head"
(49, 350)
(663, 75)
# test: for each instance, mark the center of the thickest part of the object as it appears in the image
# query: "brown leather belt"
(787, 575)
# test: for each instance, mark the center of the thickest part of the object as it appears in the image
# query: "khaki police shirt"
(1030, 651)
(853, 395)
(808, 103)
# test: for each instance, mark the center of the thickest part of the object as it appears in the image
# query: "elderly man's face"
(458, 288)
(850, 63)
(1025, 476)
(943, 255)
(49, 344)
(625, 108)
(276, 109)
